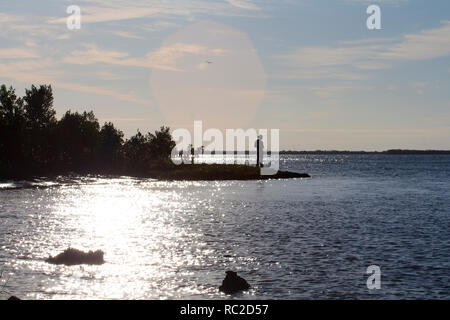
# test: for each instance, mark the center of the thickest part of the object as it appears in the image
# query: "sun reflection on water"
(147, 229)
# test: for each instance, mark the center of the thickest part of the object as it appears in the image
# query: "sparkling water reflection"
(302, 238)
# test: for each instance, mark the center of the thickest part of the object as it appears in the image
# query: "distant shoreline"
(392, 151)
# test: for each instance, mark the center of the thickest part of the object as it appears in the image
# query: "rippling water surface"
(291, 239)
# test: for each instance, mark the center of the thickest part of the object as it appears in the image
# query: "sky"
(310, 68)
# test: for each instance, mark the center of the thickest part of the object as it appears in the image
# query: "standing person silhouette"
(191, 146)
(259, 151)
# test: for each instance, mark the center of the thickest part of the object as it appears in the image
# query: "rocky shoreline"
(210, 172)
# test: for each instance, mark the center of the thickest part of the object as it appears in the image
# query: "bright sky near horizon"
(310, 68)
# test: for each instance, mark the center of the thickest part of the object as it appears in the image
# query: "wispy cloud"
(330, 91)
(165, 58)
(129, 35)
(115, 10)
(130, 97)
(40, 71)
(369, 54)
(108, 75)
(9, 18)
(28, 71)
(102, 14)
(320, 73)
(427, 44)
(158, 25)
(18, 53)
(92, 54)
(368, 41)
(244, 4)
(28, 26)
(314, 57)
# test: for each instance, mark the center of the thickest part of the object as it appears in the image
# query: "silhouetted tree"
(12, 131)
(161, 144)
(39, 110)
(78, 138)
(110, 146)
(40, 118)
(136, 152)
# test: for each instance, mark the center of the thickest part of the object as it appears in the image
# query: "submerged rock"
(287, 175)
(13, 298)
(72, 257)
(233, 283)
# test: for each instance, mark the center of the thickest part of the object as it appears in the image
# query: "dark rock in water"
(13, 298)
(233, 283)
(72, 257)
(287, 175)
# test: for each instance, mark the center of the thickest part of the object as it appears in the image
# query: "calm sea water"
(291, 239)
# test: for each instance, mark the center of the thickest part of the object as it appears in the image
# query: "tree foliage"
(34, 142)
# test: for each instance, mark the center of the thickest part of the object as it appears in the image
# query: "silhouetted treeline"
(33, 142)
